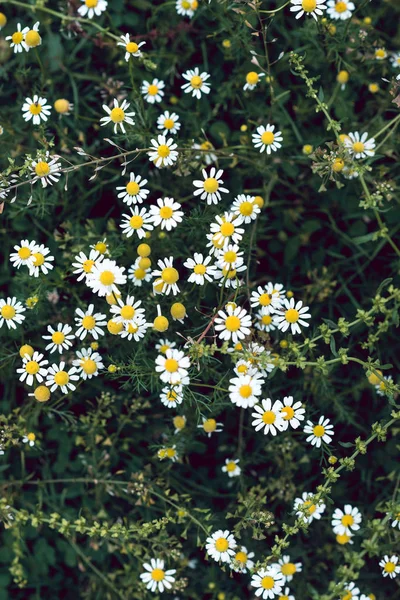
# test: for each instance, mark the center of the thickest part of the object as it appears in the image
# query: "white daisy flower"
(313, 8)
(230, 257)
(84, 264)
(131, 48)
(389, 565)
(133, 192)
(268, 416)
(138, 221)
(288, 568)
(11, 312)
(382, 385)
(166, 276)
(292, 315)
(23, 254)
(292, 413)
(153, 92)
(308, 511)
(163, 153)
(347, 521)
(164, 345)
(58, 377)
(167, 213)
(245, 208)
(351, 592)
(136, 329)
(205, 155)
(359, 145)
(168, 122)
(156, 577)
(90, 8)
(266, 299)
(221, 546)
(18, 39)
(234, 324)
(395, 60)
(118, 115)
(340, 9)
(105, 276)
(33, 368)
(210, 188)
(89, 323)
(61, 338)
(231, 467)
(196, 82)
(252, 80)
(322, 432)
(267, 138)
(268, 583)
(244, 367)
(88, 363)
(242, 562)
(186, 8)
(226, 229)
(29, 439)
(42, 261)
(264, 321)
(210, 426)
(46, 170)
(36, 109)
(126, 312)
(137, 275)
(173, 366)
(172, 396)
(245, 390)
(201, 268)
(170, 453)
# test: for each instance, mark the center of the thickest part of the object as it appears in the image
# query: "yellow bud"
(307, 149)
(26, 349)
(178, 311)
(144, 250)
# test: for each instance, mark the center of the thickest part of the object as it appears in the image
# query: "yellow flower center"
(170, 275)
(8, 312)
(210, 425)
(161, 324)
(288, 413)
(42, 169)
(292, 315)
(268, 417)
(163, 151)
(342, 76)
(227, 229)
(17, 37)
(132, 328)
(222, 544)
(61, 106)
(252, 78)
(61, 378)
(266, 319)
(341, 7)
(232, 323)
(117, 115)
(114, 328)
(136, 222)
(58, 337)
(241, 557)
(171, 365)
(347, 520)
(132, 188)
(200, 269)
(32, 38)
(87, 265)
(389, 567)
(42, 393)
(185, 4)
(127, 312)
(246, 208)
(89, 366)
(168, 123)
(157, 574)
(265, 299)
(107, 278)
(24, 253)
(348, 595)
(140, 273)
(318, 431)
(358, 147)
(230, 274)
(132, 47)
(152, 90)
(230, 256)
(267, 137)
(311, 508)
(309, 5)
(172, 396)
(211, 185)
(242, 369)
(170, 452)
(88, 322)
(35, 109)
(101, 247)
(91, 3)
(380, 53)
(32, 367)
(267, 583)
(342, 539)
(288, 569)
(338, 165)
(179, 422)
(31, 437)
(196, 82)
(245, 391)
(38, 259)
(3, 19)
(166, 212)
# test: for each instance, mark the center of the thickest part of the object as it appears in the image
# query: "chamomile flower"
(172, 366)
(186, 8)
(359, 145)
(23, 254)
(221, 546)
(164, 345)
(163, 153)
(344, 539)
(172, 396)
(396, 522)
(351, 592)
(206, 154)
(170, 453)
(321, 432)
(137, 275)
(286, 595)
(266, 299)
(202, 270)
(381, 387)
(166, 276)
(11, 312)
(167, 213)
(126, 311)
(292, 315)
(131, 48)
(380, 54)
(245, 208)
(105, 276)
(252, 80)
(168, 122)
(226, 230)
(84, 264)
(395, 60)
(18, 39)
(244, 367)
(346, 521)
(267, 138)
(136, 329)
(230, 258)
(118, 115)
(268, 583)
(29, 439)
(210, 426)
(153, 92)
(36, 109)
(210, 188)
(313, 8)
(41, 261)
(197, 82)
(89, 323)
(59, 377)
(245, 390)
(234, 324)
(33, 368)
(340, 9)
(241, 562)
(60, 338)
(88, 363)
(389, 565)
(288, 568)
(306, 509)
(229, 277)
(134, 191)
(264, 321)
(231, 467)
(268, 416)
(156, 578)
(46, 170)
(292, 413)
(90, 8)
(138, 221)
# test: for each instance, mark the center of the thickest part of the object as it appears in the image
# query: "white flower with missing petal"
(241, 562)
(306, 509)
(231, 467)
(46, 170)
(118, 115)
(172, 366)
(313, 8)
(23, 254)
(292, 412)
(166, 277)
(172, 396)
(18, 39)
(88, 363)
(42, 261)
(389, 565)
(90, 8)
(84, 264)
(131, 48)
